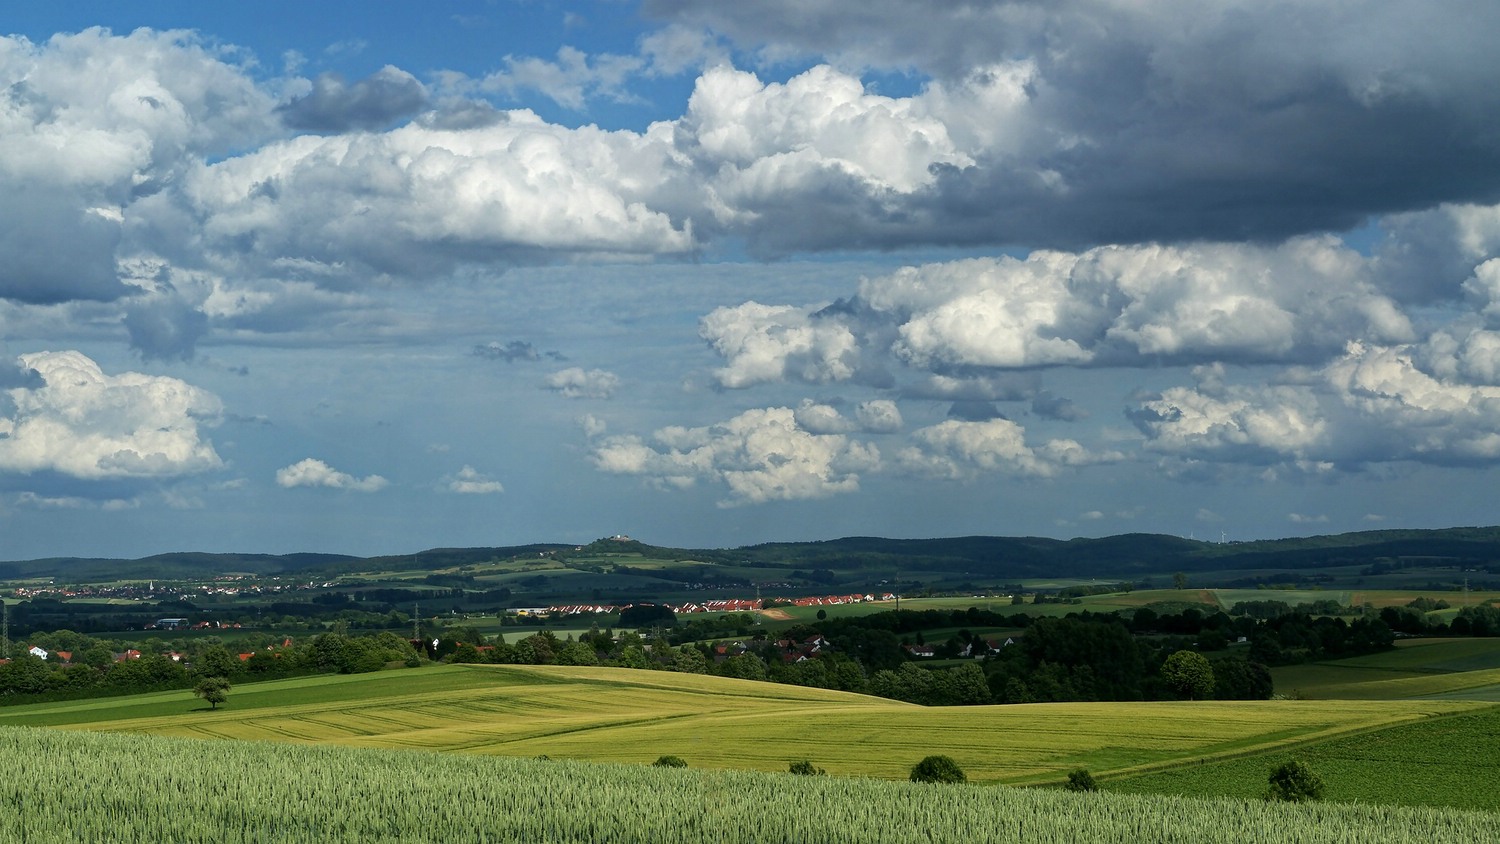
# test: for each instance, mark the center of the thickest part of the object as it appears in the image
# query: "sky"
(375, 277)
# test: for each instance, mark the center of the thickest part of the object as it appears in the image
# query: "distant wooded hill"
(988, 558)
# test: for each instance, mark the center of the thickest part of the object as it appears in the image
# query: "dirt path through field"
(779, 615)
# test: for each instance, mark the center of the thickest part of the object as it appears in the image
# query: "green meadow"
(1444, 761)
(1464, 668)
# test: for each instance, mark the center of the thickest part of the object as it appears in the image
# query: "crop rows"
(64, 786)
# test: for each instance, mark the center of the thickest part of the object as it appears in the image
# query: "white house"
(38, 652)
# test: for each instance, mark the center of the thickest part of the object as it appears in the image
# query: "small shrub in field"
(938, 768)
(1294, 782)
(806, 769)
(1081, 780)
(669, 762)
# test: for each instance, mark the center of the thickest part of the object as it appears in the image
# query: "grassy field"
(1415, 668)
(1002, 604)
(1225, 599)
(619, 715)
(65, 787)
(1467, 685)
(1447, 761)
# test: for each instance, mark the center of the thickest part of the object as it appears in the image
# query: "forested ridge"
(1123, 556)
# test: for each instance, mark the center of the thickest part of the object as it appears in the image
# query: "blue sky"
(378, 277)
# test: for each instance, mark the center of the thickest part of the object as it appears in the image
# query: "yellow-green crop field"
(621, 715)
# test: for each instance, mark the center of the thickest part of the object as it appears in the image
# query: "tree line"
(1083, 656)
(97, 671)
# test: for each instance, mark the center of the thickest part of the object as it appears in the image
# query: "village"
(727, 605)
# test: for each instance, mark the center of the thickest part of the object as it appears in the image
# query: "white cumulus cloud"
(1118, 305)
(315, 473)
(879, 416)
(422, 200)
(1260, 424)
(763, 139)
(768, 343)
(960, 450)
(86, 424)
(821, 418)
(760, 455)
(1374, 404)
(93, 121)
(468, 481)
(578, 383)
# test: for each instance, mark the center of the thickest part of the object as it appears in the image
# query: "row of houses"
(66, 657)
(717, 606)
(789, 650)
(838, 600)
(184, 624)
(973, 650)
(271, 649)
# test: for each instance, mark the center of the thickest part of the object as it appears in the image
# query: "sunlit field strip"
(153, 789)
(1408, 687)
(621, 715)
(1435, 666)
(1427, 656)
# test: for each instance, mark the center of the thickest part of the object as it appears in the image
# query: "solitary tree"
(1189, 674)
(1179, 580)
(670, 762)
(938, 768)
(806, 769)
(1294, 782)
(215, 690)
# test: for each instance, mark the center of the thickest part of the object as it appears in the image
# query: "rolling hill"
(859, 559)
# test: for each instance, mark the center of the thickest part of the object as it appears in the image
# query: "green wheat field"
(551, 753)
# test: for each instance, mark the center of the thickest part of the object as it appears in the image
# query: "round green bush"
(670, 762)
(1081, 780)
(938, 768)
(1294, 782)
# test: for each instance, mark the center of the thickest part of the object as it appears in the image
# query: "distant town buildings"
(716, 606)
